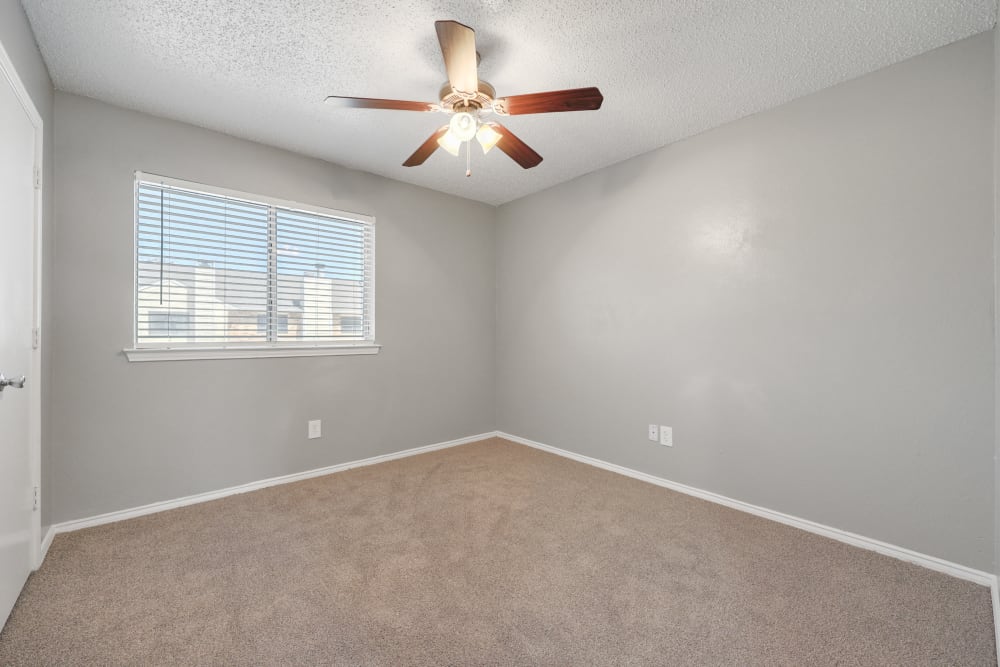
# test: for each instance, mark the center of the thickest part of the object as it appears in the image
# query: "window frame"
(244, 350)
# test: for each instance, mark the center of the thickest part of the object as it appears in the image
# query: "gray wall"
(805, 295)
(126, 434)
(19, 43)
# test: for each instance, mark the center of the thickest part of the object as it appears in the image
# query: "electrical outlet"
(654, 432)
(666, 436)
(315, 428)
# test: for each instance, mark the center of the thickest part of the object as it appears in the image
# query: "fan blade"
(421, 154)
(518, 151)
(576, 99)
(372, 103)
(458, 46)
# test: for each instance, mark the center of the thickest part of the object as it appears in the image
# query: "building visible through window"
(350, 326)
(282, 323)
(165, 323)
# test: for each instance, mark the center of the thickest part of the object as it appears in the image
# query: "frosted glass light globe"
(488, 137)
(450, 143)
(463, 126)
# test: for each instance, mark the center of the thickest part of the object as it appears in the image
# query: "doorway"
(20, 335)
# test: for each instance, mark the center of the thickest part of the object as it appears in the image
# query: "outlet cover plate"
(654, 432)
(315, 428)
(666, 436)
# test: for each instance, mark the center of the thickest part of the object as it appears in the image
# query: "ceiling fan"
(468, 99)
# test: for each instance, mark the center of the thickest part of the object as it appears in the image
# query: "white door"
(17, 265)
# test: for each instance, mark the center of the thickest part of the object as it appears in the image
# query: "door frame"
(9, 73)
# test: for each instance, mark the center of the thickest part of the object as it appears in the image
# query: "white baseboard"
(46, 543)
(902, 553)
(996, 613)
(162, 506)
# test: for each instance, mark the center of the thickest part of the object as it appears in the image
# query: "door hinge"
(34, 503)
(38, 178)
(36, 338)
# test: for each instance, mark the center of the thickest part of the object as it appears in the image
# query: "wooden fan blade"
(421, 154)
(372, 103)
(458, 46)
(576, 99)
(518, 151)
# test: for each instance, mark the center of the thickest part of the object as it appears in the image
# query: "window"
(242, 275)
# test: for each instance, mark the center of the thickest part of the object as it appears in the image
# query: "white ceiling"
(668, 70)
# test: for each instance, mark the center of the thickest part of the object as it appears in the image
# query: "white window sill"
(190, 353)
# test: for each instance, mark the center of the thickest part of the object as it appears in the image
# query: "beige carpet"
(485, 554)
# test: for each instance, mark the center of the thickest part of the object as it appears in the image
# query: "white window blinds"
(216, 268)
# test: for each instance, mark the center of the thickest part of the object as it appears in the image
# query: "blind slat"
(151, 212)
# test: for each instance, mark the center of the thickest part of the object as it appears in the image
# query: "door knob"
(16, 384)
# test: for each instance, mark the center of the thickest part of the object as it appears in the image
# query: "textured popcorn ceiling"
(260, 70)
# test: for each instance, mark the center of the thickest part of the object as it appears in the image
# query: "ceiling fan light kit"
(467, 99)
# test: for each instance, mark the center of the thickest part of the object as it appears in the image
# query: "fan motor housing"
(453, 101)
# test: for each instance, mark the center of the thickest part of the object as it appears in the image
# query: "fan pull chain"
(468, 159)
